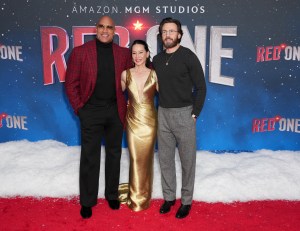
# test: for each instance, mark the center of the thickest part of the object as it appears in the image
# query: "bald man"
(93, 87)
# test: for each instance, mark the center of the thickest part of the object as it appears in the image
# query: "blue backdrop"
(250, 51)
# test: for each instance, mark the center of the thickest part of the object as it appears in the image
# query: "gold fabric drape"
(141, 126)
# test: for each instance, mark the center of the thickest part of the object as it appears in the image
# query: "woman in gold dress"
(141, 125)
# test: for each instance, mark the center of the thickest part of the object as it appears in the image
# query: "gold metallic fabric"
(123, 192)
(141, 126)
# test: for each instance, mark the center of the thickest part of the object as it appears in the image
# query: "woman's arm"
(123, 80)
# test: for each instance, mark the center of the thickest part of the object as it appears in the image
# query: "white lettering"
(288, 53)
(217, 52)
(94, 9)
(296, 53)
(137, 9)
(289, 125)
(82, 9)
(297, 126)
(16, 122)
(74, 10)
(11, 52)
(91, 10)
(180, 9)
(292, 53)
(157, 9)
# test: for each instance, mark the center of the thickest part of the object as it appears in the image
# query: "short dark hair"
(142, 42)
(171, 20)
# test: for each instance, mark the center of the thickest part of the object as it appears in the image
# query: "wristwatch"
(194, 116)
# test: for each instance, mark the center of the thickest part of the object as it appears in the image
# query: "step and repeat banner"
(249, 49)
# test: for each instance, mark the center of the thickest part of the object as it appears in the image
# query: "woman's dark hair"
(142, 42)
(171, 20)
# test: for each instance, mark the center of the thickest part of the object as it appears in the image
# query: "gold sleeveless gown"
(141, 126)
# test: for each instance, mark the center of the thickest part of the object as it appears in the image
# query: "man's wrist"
(194, 116)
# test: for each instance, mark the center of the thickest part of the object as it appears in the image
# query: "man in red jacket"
(93, 86)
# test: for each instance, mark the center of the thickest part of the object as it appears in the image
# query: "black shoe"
(183, 211)
(86, 212)
(166, 206)
(114, 204)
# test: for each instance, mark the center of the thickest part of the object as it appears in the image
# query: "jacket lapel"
(92, 59)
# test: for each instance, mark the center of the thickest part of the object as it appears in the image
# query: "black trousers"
(97, 123)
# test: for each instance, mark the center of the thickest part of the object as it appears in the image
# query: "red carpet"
(61, 214)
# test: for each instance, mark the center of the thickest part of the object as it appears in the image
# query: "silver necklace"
(168, 59)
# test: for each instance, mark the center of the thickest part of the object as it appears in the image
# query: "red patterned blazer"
(81, 75)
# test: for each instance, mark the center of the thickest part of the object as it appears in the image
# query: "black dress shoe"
(183, 211)
(86, 212)
(166, 206)
(114, 204)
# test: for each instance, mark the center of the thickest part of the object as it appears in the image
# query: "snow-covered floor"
(50, 169)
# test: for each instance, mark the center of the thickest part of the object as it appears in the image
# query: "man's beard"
(171, 44)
